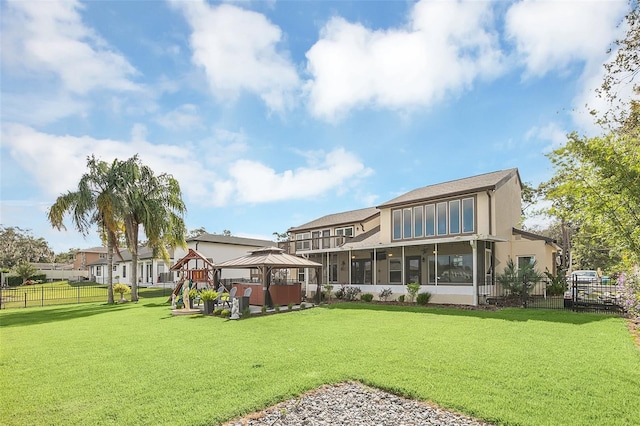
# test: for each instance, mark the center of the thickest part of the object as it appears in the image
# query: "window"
(417, 221)
(326, 240)
(315, 240)
(397, 224)
(431, 220)
(346, 231)
(395, 271)
(124, 271)
(301, 275)
(102, 255)
(406, 223)
(99, 271)
(302, 241)
(441, 218)
(454, 217)
(468, 218)
(525, 260)
(452, 268)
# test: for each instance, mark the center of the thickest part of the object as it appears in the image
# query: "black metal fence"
(579, 295)
(23, 297)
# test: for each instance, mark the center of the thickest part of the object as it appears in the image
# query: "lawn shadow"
(30, 316)
(508, 314)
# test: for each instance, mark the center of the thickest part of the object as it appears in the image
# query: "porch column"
(404, 272)
(375, 267)
(435, 263)
(474, 254)
(350, 264)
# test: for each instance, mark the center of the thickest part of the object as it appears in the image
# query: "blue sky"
(273, 113)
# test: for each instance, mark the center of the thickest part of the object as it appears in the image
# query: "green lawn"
(135, 364)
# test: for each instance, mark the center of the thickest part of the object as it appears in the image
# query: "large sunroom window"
(444, 218)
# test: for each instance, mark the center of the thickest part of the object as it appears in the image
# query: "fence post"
(524, 292)
(78, 294)
(25, 299)
(42, 296)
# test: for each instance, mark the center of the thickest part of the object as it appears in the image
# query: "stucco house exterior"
(85, 257)
(451, 237)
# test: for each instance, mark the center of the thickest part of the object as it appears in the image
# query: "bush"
(401, 298)
(208, 294)
(328, 288)
(217, 312)
(412, 290)
(367, 297)
(351, 293)
(423, 298)
(290, 306)
(225, 313)
(303, 306)
(277, 308)
(246, 312)
(557, 284)
(122, 289)
(263, 309)
(385, 294)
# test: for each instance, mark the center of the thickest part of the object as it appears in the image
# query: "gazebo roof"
(268, 256)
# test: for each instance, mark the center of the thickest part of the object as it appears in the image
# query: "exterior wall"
(219, 253)
(84, 258)
(544, 254)
(507, 211)
(385, 226)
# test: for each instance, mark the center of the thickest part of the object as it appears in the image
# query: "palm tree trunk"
(110, 245)
(132, 233)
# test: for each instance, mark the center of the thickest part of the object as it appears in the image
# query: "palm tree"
(155, 202)
(94, 202)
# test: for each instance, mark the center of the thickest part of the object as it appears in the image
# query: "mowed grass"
(136, 364)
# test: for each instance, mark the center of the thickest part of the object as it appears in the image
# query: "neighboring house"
(88, 256)
(150, 270)
(220, 248)
(452, 238)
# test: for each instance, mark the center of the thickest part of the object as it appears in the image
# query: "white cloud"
(445, 47)
(184, 117)
(40, 109)
(237, 49)
(552, 133)
(551, 35)
(57, 163)
(253, 182)
(50, 37)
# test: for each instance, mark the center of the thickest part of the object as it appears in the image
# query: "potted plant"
(209, 297)
(122, 289)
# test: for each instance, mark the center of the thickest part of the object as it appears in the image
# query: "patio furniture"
(221, 290)
(247, 292)
(230, 297)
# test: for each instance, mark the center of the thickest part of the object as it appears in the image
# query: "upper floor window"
(437, 219)
(102, 255)
(303, 241)
(346, 231)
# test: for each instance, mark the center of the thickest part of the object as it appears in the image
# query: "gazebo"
(265, 259)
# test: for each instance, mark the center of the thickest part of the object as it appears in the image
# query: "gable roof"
(487, 181)
(227, 239)
(534, 237)
(270, 257)
(352, 216)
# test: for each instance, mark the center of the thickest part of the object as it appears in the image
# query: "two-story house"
(452, 238)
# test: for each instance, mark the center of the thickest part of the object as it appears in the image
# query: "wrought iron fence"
(23, 297)
(584, 296)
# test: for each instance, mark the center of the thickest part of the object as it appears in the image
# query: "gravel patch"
(354, 404)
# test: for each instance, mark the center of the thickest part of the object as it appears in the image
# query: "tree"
(24, 270)
(196, 232)
(518, 280)
(155, 202)
(19, 245)
(66, 257)
(95, 202)
(622, 72)
(596, 186)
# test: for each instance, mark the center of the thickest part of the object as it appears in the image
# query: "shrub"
(340, 292)
(423, 298)
(290, 306)
(351, 293)
(208, 294)
(518, 281)
(122, 289)
(401, 298)
(303, 306)
(225, 313)
(328, 288)
(557, 284)
(412, 290)
(367, 297)
(217, 312)
(263, 309)
(277, 308)
(246, 312)
(385, 294)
